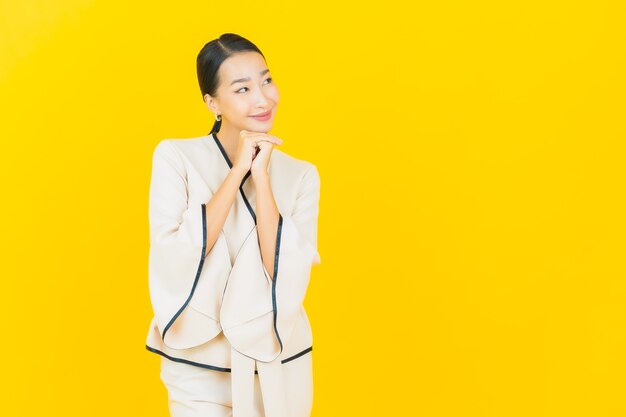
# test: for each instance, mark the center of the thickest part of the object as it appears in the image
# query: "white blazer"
(223, 311)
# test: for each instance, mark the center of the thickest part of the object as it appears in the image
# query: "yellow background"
(472, 211)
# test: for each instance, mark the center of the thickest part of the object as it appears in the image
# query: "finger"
(277, 140)
(262, 144)
(259, 136)
(270, 138)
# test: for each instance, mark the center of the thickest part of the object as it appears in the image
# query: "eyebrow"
(241, 80)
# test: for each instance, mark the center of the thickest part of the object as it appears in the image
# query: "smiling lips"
(263, 116)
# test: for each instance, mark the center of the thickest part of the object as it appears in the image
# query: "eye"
(267, 79)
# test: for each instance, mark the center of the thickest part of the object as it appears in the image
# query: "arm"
(219, 205)
(178, 251)
(267, 220)
(258, 313)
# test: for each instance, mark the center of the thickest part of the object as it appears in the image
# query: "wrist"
(259, 173)
(260, 176)
(239, 172)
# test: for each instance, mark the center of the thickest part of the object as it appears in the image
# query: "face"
(246, 89)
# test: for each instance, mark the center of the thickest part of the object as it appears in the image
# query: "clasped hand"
(253, 152)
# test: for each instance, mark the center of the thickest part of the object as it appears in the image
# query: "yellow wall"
(472, 213)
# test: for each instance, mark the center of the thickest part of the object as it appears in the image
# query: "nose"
(261, 100)
(262, 103)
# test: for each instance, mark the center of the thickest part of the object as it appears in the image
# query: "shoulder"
(293, 173)
(290, 165)
(181, 145)
(182, 152)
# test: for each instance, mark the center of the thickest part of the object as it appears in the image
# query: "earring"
(218, 117)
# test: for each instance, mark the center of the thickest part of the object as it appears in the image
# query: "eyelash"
(270, 78)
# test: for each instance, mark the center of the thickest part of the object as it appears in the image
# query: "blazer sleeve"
(177, 254)
(300, 227)
(259, 313)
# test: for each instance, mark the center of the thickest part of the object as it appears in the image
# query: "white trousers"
(199, 392)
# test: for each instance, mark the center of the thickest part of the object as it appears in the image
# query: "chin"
(262, 127)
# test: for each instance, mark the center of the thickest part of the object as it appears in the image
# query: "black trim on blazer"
(278, 235)
(195, 281)
(218, 368)
(297, 355)
(219, 144)
(200, 265)
(243, 181)
(276, 253)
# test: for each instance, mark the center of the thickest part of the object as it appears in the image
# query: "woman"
(225, 209)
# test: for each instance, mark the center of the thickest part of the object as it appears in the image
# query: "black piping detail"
(181, 360)
(219, 144)
(297, 355)
(195, 282)
(243, 181)
(276, 253)
(245, 199)
(218, 368)
(278, 234)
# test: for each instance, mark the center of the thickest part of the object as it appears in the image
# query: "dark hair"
(211, 57)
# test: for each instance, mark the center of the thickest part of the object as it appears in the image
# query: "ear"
(210, 103)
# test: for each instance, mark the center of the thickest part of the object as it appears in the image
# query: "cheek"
(273, 94)
(241, 107)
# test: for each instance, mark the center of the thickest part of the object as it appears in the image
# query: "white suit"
(222, 311)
